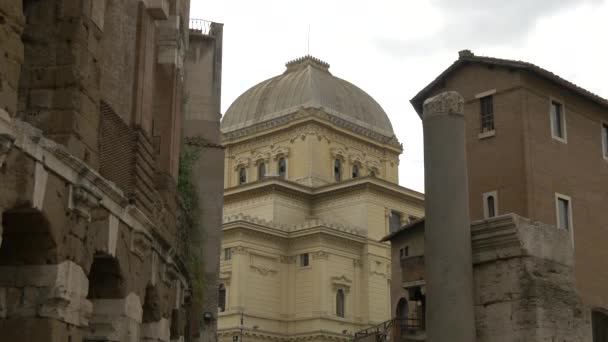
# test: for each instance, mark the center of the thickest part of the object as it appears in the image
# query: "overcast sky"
(392, 49)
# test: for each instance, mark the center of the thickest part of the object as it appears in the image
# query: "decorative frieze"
(264, 270)
(320, 255)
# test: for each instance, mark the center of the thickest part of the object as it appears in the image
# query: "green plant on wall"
(191, 234)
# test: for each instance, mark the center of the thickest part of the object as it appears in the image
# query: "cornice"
(319, 335)
(291, 231)
(310, 113)
(306, 192)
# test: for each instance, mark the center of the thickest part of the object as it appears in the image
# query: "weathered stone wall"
(524, 283)
(59, 82)
(11, 53)
(89, 242)
(201, 131)
(73, 253)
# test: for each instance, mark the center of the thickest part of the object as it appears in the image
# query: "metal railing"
(393, 329)
(204, 27)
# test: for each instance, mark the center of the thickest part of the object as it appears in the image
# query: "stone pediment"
(341, 282)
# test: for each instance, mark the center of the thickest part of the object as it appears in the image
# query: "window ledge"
(487, 134)
(561, 140)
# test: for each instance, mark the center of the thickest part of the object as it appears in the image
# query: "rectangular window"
(404, 252)
(487, 113)
(564, 212)
(227, 254)
(304, 260)
(605, 139)
(394, 221)
(558, 121)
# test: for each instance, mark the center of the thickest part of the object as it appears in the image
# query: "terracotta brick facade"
(526, 166)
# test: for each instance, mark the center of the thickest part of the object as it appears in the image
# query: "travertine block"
(156, 331)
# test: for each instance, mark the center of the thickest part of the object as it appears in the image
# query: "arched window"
(261, 170)
(242, 175)
(355, 170)
(221, 298)
(340, 303)
(491, 206)
(282, 168)
(401, 309)
(338, 170)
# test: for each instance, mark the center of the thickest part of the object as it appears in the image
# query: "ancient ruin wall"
(524, 283)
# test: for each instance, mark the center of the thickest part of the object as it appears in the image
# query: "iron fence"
(204, 27)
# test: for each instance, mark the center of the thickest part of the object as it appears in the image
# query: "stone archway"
(26, 238)
(48, 290)
(116, 316)
(401, 317)
(105, 278)
(401, 311)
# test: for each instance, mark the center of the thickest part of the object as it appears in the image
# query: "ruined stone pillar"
(449, 272)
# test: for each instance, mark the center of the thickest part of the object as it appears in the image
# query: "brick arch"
(27, 238)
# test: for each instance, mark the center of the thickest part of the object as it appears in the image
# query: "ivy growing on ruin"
(190, 232)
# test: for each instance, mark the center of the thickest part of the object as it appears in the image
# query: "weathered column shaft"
(449, 271)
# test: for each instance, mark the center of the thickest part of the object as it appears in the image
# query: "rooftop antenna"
(308, 43)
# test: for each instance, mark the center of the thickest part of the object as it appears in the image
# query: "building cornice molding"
(512, 236)
(310, 113)
(306, 192)
(309, 227)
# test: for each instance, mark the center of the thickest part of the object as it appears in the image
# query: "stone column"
(447, 237)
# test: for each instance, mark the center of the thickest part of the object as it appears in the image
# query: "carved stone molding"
(280, 151)
(287, 259)
(264, 270)
(140, 243)
(356, 157)
(240, 250)
(320, 255)
(341, 282)
(82, 200)
(338, 152)
(241, 162)
(357, 263)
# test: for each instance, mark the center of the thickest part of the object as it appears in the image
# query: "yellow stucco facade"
(309, 192)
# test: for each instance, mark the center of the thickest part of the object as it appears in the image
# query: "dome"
(306, 82)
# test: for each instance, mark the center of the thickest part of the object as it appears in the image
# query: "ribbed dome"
(307, 82)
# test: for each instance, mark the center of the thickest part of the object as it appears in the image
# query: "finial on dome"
(301, 62)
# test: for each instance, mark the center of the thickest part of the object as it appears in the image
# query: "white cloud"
(389, 48)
